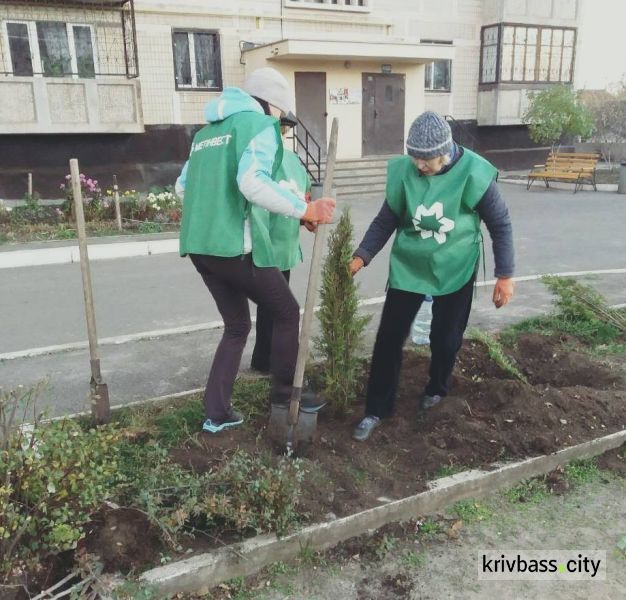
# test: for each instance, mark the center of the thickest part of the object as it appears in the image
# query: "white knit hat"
(269, 85)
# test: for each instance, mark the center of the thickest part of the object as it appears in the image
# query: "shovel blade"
(300, 434)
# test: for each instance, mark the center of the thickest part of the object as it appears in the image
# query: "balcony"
(69, 66)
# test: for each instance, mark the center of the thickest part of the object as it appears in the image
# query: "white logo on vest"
(436, 226)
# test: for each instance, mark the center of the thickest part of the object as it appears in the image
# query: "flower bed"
(158, 210)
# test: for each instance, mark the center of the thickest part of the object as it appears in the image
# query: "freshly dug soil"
(123, 538)
(488, 417)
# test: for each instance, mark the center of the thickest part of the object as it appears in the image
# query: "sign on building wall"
(345, 95)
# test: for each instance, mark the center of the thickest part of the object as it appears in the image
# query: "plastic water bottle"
(421, 325)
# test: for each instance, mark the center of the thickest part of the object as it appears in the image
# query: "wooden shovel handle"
(314, 272)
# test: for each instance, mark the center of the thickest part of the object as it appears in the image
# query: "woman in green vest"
(436, 198)
(285, 236)
(230, 193)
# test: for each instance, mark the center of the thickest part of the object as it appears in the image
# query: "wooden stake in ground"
(100, 408)
(30, 186)
(116, 196)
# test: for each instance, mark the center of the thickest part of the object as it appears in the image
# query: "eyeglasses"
(429, 162)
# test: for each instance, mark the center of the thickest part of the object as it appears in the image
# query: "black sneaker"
(430, 401)
(233, 420)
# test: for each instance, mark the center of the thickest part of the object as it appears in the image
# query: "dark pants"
(263, 343)
(450, 316)
(232, 282)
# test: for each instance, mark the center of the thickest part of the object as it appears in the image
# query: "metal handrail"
(312, 160)
(465, 130)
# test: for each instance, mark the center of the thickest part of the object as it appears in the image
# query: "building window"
(197, 64)
(51, 49)
(489, 56)
(520, 53)
(354, 5)
(437, 77)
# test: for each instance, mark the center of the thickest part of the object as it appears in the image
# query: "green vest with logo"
(437, 243)
(214, 211)
(285, 231)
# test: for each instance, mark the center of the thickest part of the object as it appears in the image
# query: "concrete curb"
(602, 187)
(246, 558)
(70, 254)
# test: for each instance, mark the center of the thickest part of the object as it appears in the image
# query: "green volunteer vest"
(437, 243)
(214, 210)
(285, 231)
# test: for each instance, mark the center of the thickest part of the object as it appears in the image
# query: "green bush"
(583, 312)
(555, 112)
(342, 327)
(53, 476)
(250, 493)
(166, 492)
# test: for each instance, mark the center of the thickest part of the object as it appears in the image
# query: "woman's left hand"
(503, 291)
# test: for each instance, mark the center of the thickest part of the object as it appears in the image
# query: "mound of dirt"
(551, 360)
(123, 539)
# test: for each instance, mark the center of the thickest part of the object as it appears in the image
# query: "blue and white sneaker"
(233, 420)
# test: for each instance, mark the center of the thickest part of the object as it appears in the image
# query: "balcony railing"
(68, 38)
(69, 66)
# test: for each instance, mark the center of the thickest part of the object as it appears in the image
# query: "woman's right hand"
(320, 211)
(356, 264)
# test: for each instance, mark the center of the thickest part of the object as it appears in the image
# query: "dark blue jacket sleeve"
(378, 233)
(494, 213)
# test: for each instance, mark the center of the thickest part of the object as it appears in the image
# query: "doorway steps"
(361, 177)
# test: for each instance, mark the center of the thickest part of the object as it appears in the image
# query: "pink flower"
(68, 177)
(62, 186)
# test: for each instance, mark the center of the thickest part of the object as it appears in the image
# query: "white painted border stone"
(250, 556)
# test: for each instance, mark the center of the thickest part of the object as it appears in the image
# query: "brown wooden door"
(383, 114)
(311, 104)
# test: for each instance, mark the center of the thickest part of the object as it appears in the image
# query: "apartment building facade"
(122, 83)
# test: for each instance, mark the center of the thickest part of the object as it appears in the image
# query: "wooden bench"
(577, 168)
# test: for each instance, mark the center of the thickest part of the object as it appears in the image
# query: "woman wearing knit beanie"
(436, 198)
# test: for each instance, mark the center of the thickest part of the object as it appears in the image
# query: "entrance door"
(311, 105)
(383, 114)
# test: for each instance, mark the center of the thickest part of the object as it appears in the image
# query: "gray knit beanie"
(429, 136)
(269, 85)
